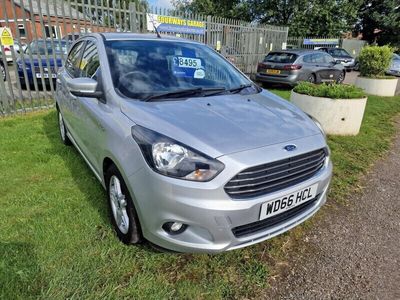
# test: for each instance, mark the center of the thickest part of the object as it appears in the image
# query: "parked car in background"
(394, 68)
(72, 36)
(342, 56)
(291, 66)
(2, 68)
(47, 58)
(194, 156)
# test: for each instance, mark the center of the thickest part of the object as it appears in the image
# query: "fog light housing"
(174, 227)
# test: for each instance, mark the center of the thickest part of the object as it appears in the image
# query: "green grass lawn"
(56, 241)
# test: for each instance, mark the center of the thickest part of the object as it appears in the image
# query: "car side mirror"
(84, 87)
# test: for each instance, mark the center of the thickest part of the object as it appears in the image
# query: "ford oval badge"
(290, 147)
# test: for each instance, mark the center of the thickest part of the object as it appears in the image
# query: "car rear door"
(326, 71)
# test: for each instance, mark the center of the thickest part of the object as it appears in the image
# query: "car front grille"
(271, 177)
(261, 225)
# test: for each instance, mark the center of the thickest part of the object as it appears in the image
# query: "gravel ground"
(353, 252)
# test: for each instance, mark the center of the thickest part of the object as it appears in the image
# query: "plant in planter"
(338, 107)
(373, 62)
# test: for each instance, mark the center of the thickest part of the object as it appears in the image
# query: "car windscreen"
(41, 47)
(281, 57)
(338, 52)
(142, 68)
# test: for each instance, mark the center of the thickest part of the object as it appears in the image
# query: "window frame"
(87, 42)
(80, 57)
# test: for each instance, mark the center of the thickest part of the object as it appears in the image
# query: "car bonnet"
(220, 125)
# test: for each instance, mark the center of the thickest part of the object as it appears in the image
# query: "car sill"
(84, 157)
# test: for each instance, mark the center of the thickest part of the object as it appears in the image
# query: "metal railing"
(30, 68)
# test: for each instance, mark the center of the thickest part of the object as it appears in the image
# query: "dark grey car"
(292, 66)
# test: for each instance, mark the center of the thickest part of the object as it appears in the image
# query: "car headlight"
(318, 125)
(171, 158)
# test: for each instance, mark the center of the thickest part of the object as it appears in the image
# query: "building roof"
(56, 11)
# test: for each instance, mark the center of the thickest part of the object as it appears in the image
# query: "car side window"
(319, 58)
(73, 60)
(308, 58)
(90, 60)
(328, 59)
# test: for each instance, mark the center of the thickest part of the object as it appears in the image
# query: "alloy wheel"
(118, 205)
(62, 126)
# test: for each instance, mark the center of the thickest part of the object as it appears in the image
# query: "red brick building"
(55, 19)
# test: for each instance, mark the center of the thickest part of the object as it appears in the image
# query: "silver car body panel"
(241, 131)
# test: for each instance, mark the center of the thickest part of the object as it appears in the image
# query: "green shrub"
(334, 91)
(375, 60)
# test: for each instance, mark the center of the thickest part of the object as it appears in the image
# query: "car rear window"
(281, 57)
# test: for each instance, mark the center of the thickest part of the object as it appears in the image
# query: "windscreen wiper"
(240, 88)
(183, 93)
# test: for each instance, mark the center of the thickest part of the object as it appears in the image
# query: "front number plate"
(280, 205)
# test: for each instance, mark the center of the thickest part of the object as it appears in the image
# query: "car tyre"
(63, 130)
(341, 77)
(121, 208)
(311, 78)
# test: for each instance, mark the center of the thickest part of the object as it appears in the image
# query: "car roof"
(329, 48)
(113, 36)
(295, 51)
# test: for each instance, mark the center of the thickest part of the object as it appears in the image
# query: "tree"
(308, 18)
(380, 21)
(313, 17)
(223, 8)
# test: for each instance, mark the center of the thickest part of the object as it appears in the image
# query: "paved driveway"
(353, 253)
(351, 79)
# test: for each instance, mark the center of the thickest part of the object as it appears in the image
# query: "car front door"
(92, 111)
(67, 101)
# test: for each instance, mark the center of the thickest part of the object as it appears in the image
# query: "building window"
(21, 30)
(51, 31)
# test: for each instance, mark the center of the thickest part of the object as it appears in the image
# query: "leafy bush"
(375, 60)
(334, 91)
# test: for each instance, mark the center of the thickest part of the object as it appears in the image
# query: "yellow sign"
(6, 38)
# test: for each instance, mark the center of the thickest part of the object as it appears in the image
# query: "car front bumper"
(209, 212)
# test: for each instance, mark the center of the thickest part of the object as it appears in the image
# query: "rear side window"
(281, 57)
(314, 58)
(72, 63)
(90, 60)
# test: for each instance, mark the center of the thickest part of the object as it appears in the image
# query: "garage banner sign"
(321, 42)
(174, 24)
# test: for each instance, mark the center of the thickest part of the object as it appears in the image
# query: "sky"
(161, 3)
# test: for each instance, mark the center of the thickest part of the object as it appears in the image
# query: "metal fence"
(42, 30)
(313, 42)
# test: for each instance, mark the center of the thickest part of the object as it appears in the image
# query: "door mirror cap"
(83, 87)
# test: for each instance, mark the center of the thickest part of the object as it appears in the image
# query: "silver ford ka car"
(194, 156)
